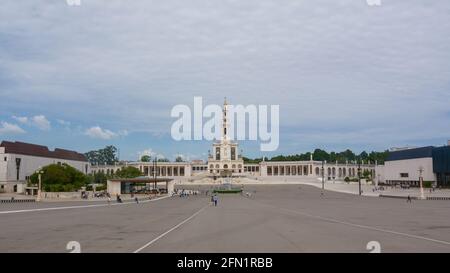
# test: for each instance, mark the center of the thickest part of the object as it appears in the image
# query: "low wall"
(63, 195)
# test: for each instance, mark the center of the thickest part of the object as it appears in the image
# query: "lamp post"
(421, 169)
(155, 165)
(39, 172)
(323, 175)
(359, 176)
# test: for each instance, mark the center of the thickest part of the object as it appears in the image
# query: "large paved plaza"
(275, 218)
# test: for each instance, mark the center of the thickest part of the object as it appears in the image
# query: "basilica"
(225, 159)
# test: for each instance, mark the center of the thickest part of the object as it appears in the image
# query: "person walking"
(408, 200)
(215, 199)
(137, 200)
(109, 200)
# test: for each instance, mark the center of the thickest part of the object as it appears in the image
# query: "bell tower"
(225, 123)
(225, 159)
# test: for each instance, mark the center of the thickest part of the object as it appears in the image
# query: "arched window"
(225, 166)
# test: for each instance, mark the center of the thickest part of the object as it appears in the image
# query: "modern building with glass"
(406, 166)
(441, 165)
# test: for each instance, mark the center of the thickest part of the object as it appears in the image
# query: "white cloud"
(21, 119)
(183, 157)
(63, 122)
(98, 132)
(41, 122)
(10, 129)
(179, 155)
(336, 64)
(151, 153)
(190, 156)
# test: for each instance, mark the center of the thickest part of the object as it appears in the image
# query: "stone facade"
(225, 155)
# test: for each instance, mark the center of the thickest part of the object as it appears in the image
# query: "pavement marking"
(76, 207)
(170, 230)
(361, 226)
(371, 228)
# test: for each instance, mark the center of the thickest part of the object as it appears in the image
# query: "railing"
(17, 200)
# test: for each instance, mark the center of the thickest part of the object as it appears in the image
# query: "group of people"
(380, 188)
(182, 193)
(84, 195)
(185, 193)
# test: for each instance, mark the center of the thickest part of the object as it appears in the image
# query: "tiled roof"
(41, 151)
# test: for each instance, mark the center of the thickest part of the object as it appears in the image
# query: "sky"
(345, 74)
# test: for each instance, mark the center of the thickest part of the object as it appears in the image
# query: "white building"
(403, 166)
(18, 161)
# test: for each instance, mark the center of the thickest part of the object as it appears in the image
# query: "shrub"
(128, 172)
(101, 188)
(60, 178)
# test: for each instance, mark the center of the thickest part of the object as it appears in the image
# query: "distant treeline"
(321, 155)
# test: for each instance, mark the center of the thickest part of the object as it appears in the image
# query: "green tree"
(163, 160)
(107, 155)
(60, 177)
(128, 172)
(179, 159)
(97, 178)
(321, 155)
(146, 158)
(347, 155)
(252, 161)
(363, 156)
(367, 174)
(379, 157)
